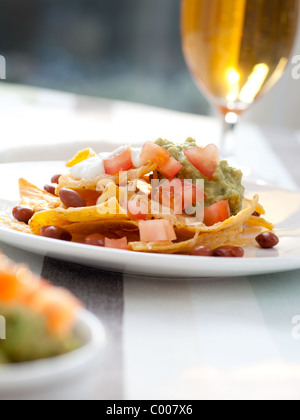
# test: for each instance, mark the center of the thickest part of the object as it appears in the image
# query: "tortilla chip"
(181, 222)
(212, 240)
(221, 234)
(35, 198)
(259, 221)
(259, 209)
(15, 225)
(60, 217)
(80, 157)
(67, 181)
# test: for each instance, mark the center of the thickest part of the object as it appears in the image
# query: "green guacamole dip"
(28, 339)
(225, 185)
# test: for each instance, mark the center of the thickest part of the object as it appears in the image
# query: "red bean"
(202, 251)
(267, 240)
(22, 214)
(229, 252)
(55, 232)
(50, 189)
(256, 214)
(55, 179)
(71, 198)
(95, 240)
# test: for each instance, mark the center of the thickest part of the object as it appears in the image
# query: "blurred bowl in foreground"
(72, 376)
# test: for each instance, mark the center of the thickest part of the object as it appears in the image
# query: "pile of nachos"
(160, 198)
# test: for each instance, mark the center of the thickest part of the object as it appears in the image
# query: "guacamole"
(225, 185)
(28, 339)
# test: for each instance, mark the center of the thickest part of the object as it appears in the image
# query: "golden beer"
(238, 49)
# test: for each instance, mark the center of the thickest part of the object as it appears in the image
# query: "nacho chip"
(259, 209)
(226, 233)
(259, 221)
(35, 198)
(80, 157)
(67, 181)
(181, 222)
(15, 225)
(212, 240)
(60, 217)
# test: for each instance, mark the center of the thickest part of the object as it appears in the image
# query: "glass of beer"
(236, 51)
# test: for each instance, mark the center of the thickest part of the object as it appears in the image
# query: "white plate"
(283, 208)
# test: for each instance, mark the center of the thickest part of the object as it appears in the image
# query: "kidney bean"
(96, 240)
(256, 214)
(55, 179)
(229, 252)
(267, 240)
(22, 214)
(71, 198)
(50, 189)
(55, 232)
(202, 251)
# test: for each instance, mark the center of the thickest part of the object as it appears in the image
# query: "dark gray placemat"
(102, 294)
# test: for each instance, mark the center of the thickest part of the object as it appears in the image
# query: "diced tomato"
(170, 168)
(206, 160)
(192, 193)
(153, 153)
(17, 285)
(58, 306)
(138, 208)
(118, 163)
(179, 194)
(157, 231)
(170, 195)
(218, 212)
(116, 243)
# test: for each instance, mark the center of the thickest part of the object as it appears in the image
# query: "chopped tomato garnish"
(18, 286)
(170, 168)
(192, 193)
(58, 305)
(218, 212)
(153, 153)
(138, 207)
(206, 160)
(116, 243)
(179, 194)
(118, 163)
(157, 231)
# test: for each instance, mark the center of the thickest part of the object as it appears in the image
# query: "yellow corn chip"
(67, 181)
(259, 209)
(15, 225)
(226, 233)
(60, 217)
(35, 198)
(259, 221)
(212, 240)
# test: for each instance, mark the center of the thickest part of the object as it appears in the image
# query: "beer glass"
(237, 50)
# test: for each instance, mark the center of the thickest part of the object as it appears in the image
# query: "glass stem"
(227, 149)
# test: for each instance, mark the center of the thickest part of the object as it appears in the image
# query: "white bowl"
(72, 376)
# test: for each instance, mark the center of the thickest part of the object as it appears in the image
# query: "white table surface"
(206, 339)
